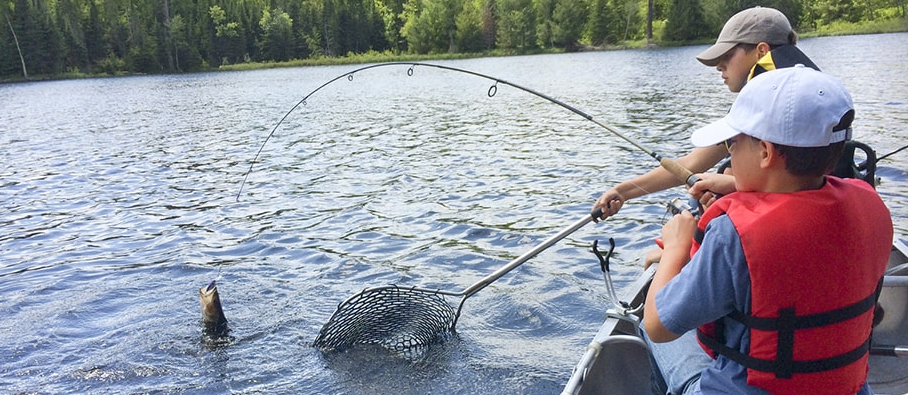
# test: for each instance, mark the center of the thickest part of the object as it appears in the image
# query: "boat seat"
(623, 367)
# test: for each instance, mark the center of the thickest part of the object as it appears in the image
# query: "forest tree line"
(51, 37)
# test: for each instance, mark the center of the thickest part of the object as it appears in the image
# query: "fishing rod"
(684, 175)
(863, 166)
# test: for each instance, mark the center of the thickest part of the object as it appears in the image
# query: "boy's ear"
(763, 48)
(769, 155)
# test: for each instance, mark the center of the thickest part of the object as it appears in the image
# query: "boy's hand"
(610, 202)
(711, 184)
(678, 235)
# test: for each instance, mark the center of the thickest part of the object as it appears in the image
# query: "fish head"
(212, 312)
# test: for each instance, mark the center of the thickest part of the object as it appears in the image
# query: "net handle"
(531, 253)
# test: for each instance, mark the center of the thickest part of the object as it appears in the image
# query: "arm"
(677, 236)
(697, 161)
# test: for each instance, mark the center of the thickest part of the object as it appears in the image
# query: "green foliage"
(391, 16)
(160, 36)
(40, 42)
(545, 10)
(110, 65)
(516, 28)
(143, 60)
(876, 26)
(468, 22)
(686, 21)
(430, 25)
(568, 22)
(277, 35)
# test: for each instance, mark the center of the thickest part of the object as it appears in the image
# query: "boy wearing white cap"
(752, 41)
(781, 298)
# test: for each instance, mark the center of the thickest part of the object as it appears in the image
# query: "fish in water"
(212, 313)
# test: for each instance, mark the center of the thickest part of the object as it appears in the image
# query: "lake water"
(119, 200)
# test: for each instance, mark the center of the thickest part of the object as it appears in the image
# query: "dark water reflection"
(118, 203)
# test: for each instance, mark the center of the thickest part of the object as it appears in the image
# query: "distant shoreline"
(897, 26)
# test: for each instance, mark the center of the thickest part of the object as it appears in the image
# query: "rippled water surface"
(119, 200)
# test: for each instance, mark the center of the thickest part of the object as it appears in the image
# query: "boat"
(617, 360)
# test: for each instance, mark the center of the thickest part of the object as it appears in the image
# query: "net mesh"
(395, 318)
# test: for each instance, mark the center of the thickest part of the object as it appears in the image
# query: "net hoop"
(393, 317)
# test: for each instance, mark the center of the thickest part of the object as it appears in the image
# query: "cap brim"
(713, 134)
(711, 55)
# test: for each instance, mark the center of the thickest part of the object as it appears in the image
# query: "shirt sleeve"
(713, 284)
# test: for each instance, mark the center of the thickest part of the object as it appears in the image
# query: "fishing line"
(673, 167)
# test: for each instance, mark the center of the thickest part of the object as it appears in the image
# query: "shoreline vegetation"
(837, 29)
(899, 25)
(376, 57)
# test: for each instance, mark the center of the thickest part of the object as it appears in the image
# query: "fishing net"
(393, 317)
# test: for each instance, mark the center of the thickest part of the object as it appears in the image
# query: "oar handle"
(531, 253)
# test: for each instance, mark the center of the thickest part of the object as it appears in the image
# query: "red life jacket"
(816, 261)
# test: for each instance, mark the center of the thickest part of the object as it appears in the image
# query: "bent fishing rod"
(684, 175)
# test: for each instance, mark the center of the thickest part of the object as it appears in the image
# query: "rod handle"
(680, 172)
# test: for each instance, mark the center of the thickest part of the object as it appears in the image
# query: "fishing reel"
(678, 205)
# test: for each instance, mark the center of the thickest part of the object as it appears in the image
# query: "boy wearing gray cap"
(752, 41)
(781, 299)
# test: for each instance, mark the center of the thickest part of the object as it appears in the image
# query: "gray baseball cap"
(751, 26)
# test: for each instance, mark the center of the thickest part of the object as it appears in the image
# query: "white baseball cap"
(794, 106)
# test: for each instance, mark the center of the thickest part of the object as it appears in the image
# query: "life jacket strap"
(788, 319)
(784, 366)
(784, 369)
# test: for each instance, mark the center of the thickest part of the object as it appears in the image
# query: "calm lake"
(120, 200)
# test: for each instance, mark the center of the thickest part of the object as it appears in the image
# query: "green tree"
(12, 62)
(69, 20)
(277, 35)
(39, 39)
(516, 25)
(363, 27)
(489, 23)
(469, 27)
(391, 12)
(569, 20)
(186, 55)
(828, 11)
(603, 24)
(429, 26)
(308, 25)
(685, 21)
(229, 47)
(95, 46)
(717, 12)
(544, 11)
(631, 19)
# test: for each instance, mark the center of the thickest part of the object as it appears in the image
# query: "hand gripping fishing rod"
(680, 172)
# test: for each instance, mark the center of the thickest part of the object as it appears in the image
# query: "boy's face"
(735, 66)
(745, 161)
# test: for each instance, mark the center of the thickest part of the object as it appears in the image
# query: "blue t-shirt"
(713, 284)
